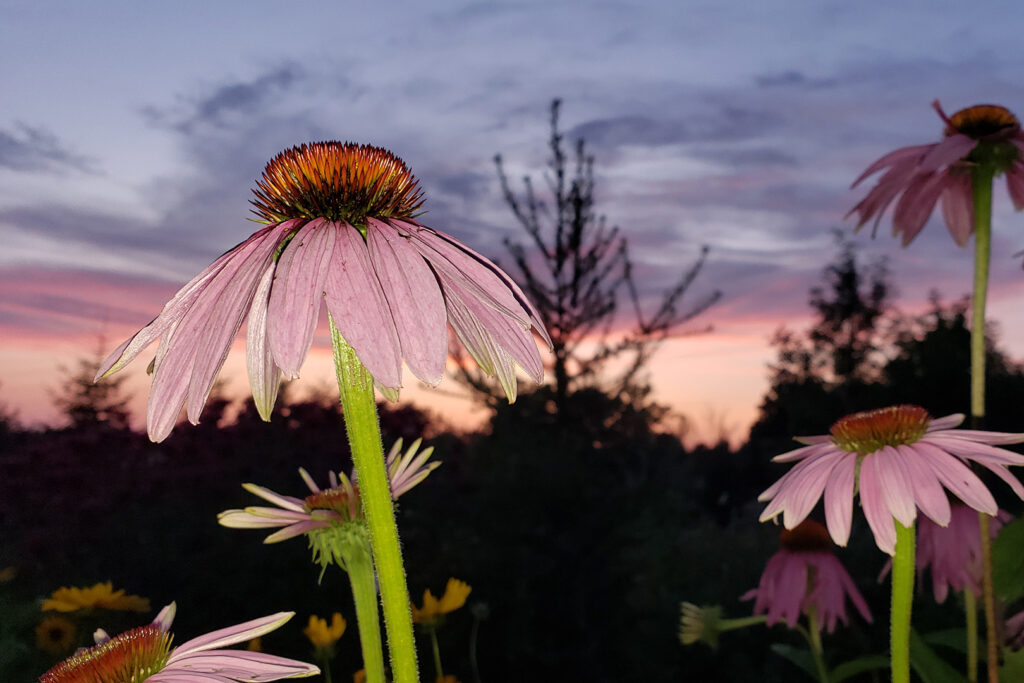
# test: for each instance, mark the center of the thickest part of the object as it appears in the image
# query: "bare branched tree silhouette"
(574, 267)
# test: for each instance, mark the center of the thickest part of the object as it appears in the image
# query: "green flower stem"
(814, 640)
(971, 616)
(902, 599)
(740, 622)
(360, 410)
(981, 186)
(359, 565)
(324, 660)
(437, 652)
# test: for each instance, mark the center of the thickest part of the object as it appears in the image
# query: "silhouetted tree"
(574, 268)
(86, 403)
(831, 369)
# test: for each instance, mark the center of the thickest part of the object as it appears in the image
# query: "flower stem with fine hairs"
(359, 566)
(437, 653)
(902, 599)
(361, 423)
(971, 614)
(981, 185)
(813, 635)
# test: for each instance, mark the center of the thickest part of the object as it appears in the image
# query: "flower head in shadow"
(454, 597)
(924, 175)
(805, 577)
(341, 229)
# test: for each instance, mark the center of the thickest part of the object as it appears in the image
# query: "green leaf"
(1013, 666)
(953, 638)
(858, 666)
(802, 658)
(928, 665)
(1008, 561)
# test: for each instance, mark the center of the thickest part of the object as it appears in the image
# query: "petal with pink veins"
(414, 299)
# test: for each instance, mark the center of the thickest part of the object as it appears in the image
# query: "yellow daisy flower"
(321, 635)
(455, 594)
(55, 635)
(99, 596)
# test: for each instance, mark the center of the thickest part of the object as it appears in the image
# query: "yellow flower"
(100, 596)
(55, 634)
(359, 676)
(7, 574)
(321, 635)
(455, 594)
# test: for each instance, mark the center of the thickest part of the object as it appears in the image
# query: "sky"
(132, 133)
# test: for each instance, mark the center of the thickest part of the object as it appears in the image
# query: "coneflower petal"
(264, 375)
(958, 207)
(839, 500)
(297, 294)
(360, 309)
(928, 491)
(231, 635)
(414, 299)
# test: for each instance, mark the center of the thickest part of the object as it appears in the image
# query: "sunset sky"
(131, 134)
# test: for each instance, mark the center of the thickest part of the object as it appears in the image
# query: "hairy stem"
(981, 185)
(364, 593)
(902, 600)
(971, 618)
(360, 410)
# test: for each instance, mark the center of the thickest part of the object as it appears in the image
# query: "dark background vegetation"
(577, 515)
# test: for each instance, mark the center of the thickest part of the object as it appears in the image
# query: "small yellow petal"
(455, 594)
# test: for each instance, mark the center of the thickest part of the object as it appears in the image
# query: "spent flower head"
(145, 654)
(342, 229)
(901, 460)
(953, 552)
(97, 596)
(331, 518)
(985, 135)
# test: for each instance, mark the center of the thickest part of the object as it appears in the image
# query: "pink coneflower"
(330, 507)
(924, 174)
(804, 576)
(341, 229)
(900, 459)
(953, 552)
(145, 654)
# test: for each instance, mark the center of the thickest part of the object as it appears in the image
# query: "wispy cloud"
(36, 149)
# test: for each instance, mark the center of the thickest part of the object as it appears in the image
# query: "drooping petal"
(947, 422)
(956, 477)
(286, 502)
(264, 375)
(242, 665)
(968, 449)
(224, 318)
(464, 268)
(231, 635)
(872, 500)
(839, 500)
(916, 205)
(928, 492)
(296, 529)
(360, 309)
(517, 292)
(414, 298)
(896, 488)
(805, 452)
(952, 148)
(297, 293)
(808, 489)
(1015, 184)
(901, 155)
(243, 519)
(958, 207)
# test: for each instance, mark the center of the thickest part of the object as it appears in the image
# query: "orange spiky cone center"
(872, 430)
(983, 121)
(337, 499)
(130, 657)
(337, 181)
